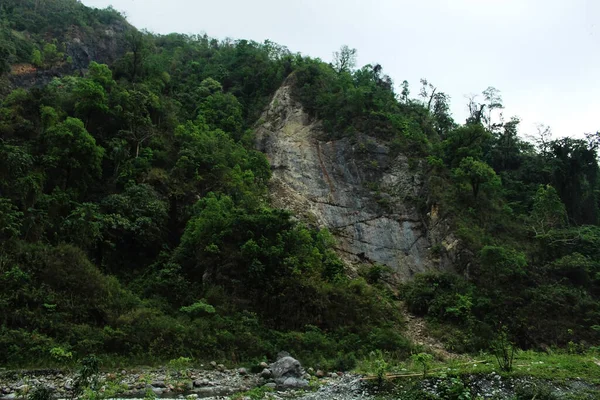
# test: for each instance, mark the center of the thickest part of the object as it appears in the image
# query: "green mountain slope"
(135, 222)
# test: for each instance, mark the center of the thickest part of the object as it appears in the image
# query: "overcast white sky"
(543, 55)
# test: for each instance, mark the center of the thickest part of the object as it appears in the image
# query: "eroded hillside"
(354, 186)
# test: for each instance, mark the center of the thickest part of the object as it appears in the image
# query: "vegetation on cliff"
(134, 222)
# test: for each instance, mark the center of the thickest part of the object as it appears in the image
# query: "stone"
(201, 382)
(242, 371)
(263, 365)
(266, 373)
(158, 391)
(271, 385)
(294, 383)
(311, 371)
(158, 384)
(213, 364)
(213, 391)
(286, 367)
(288, 373)
(320, 374)
(221, 367)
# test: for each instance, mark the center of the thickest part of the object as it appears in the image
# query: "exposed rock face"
(104, 46)
(353, 186)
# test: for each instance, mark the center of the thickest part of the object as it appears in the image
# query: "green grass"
(553, 366)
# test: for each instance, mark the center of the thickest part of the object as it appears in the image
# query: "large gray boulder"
(287, 373)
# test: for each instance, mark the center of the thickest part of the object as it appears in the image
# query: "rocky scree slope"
(355, 187)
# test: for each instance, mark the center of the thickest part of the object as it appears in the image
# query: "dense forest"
(135, 223)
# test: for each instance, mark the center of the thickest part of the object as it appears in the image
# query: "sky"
(543, 55)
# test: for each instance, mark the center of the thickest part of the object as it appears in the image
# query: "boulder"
(266, 373)
(288, 373)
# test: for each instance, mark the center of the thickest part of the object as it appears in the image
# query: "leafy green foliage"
(134, 219)
(504, 351)
(424, 360)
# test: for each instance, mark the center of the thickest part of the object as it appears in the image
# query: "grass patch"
(549, 366)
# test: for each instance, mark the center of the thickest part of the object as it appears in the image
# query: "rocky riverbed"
(210, 381)
(284, 379)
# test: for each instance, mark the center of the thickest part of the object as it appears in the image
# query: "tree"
(548, 212)
(90, 97)
(72, 153)
(405, 92)
(506, 149)
(51, 54)
(139, 48)
(477, 175)
(443, 121)
(427, 92)
(37, 58)
(101, 74)
(344, 60)
(501, 264)
(465, 141)
(493, 102)
(10, 221)
(135, 108)
(574, 174)
(223, 111)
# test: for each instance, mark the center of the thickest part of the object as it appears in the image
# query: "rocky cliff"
(105, 45)
(355, 187)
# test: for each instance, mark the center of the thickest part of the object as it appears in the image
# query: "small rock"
(266, 373)
(213, 364)
(271, 385)
(311, 371)
(320, 374)
(264, 365)
(159, 384)
(221, 367)
(158, 390)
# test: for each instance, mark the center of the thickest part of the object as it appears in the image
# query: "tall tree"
(344, 60)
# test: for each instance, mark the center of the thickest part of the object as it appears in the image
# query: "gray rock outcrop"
(355, 186)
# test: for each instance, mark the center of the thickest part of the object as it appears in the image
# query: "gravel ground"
(221, 385)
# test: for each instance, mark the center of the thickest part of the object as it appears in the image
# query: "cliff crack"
(331, 188)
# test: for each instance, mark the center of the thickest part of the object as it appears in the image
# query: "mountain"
(166, 196)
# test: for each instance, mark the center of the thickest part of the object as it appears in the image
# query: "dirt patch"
(416, 330)
(22, 69)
